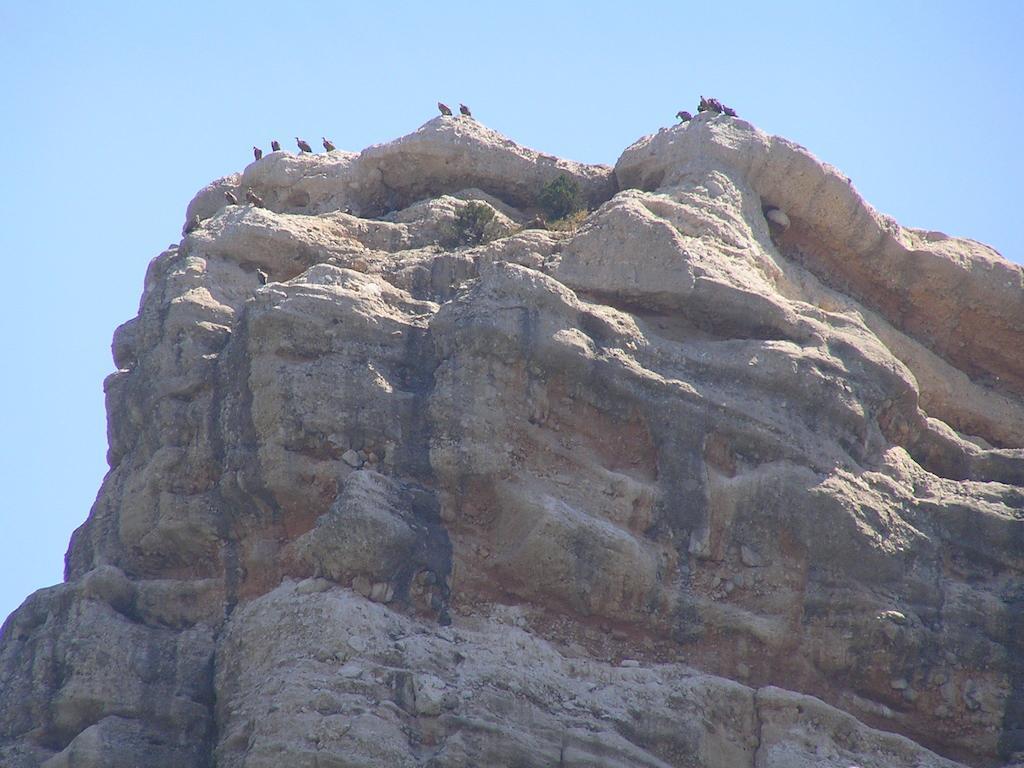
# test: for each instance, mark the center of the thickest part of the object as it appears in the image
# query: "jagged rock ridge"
(677, 488)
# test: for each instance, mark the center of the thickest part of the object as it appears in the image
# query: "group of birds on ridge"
(275, 146)
(705, 105)
(446, 111)
(252, 197)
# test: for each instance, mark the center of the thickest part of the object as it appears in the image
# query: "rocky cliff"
(685, 485)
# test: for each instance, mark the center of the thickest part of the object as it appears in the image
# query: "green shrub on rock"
(471, 225)
(560, 198)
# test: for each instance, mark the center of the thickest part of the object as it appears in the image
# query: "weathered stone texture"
(694, 484)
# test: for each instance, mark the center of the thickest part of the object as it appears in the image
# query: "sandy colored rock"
(678, 486)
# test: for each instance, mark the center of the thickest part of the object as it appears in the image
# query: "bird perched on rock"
(193, 224)
(464, 110)
(253, 198)
(303, 146)
(329, 145)
(684, 116)
(257, 153)
(710, 105)
(275, 146)
(445, 109)
(232, 200)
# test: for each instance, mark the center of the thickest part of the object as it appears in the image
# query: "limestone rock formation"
(729, 475)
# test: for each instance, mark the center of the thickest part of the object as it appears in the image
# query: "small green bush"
(471, 225)
(560, 198)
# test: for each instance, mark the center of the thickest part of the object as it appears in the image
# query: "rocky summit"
(724, 471)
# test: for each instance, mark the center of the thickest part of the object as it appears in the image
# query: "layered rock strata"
(687, 485)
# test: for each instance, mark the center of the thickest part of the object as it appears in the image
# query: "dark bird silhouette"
(715, 106)
(231, 197)
(684, 116)
(275, 146)
(193, 224)
(253, 198)
(303, 146)
(261, 276)
(257, 153)
(329, 145)
(445, 109)
(464, 110)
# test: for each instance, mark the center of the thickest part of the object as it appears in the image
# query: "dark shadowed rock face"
(728, 475)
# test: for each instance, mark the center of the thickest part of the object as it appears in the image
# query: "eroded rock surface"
(731, 474)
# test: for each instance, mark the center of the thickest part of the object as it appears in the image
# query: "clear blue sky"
(115, 114)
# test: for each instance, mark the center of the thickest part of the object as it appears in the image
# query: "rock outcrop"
(730, 474)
